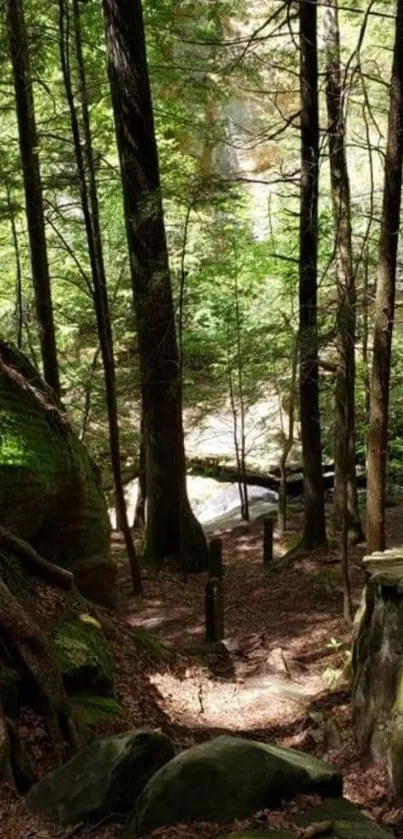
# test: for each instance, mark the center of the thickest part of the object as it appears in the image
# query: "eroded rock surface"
(377, 663)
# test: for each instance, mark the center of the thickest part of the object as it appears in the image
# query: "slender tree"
(385, 301)
(139, 519)
(171, 530)
(82, 139)
(28, 140)
(345, 483)
(314, 533)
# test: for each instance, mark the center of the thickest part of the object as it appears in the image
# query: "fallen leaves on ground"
(283, 630)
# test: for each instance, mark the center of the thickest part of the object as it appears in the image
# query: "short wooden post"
(214, 608)
(215, 565)
(267, 541)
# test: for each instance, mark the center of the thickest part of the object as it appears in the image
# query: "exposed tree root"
(25, 648)
(35, 563)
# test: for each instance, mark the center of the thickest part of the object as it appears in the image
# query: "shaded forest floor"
(275, 677)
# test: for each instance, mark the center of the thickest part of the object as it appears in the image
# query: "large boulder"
(347, 822)
(104, 779)
(377, 663)
(228, 778)
(50, 492)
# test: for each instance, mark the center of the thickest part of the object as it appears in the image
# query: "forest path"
(284, 639)
(279, 627)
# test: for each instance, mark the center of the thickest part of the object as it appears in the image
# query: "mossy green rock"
(347, 823)
(50, 492)
(228, 778)
(377, 667)
(104, 779)
(84, 658)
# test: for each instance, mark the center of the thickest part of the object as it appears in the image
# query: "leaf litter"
(283, 632)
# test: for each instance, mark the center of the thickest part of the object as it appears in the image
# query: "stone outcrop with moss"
(50, 492)
(104, 779)
(377, 663)
(225, 779)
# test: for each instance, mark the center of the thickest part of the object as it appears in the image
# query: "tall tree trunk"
(314, 534)
(140, 509)
(385, 302)
(89, 199)
(172, 530)
(28, 140)
(19, 308)
(344, 452)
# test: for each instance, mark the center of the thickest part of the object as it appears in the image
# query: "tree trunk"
(344, 452)
(140, 510)
(385, 302)
(28, 139)
(287, 440)
(172, 530)
(89, 201)
(314, 534)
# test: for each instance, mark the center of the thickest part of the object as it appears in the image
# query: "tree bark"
(385, 302)
(344, 451)
(172, 530)
(140, 510)
(28, 140)
(314, 533)
(82, 139)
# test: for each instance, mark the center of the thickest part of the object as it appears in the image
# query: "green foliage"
(229, 170)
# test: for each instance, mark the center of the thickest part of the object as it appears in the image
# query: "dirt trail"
(284, 639)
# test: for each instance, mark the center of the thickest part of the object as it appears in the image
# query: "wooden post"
(214, 608)
(215, 566)
(267, 541)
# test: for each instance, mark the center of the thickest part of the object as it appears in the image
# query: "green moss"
(91, 710)
(327, 579)
(151, 646)
(83, 656)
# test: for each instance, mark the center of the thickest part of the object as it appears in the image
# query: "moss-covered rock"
(50, 493)
(377, 664)
(104, 779)
(225, 779)
(91, 710)
(346, 821)
(84, 658)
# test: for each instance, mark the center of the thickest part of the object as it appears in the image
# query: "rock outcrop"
(377, 663)
(50, 493)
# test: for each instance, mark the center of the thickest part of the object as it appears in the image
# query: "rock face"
(346, 820)
(105, 778)
(225, 779)
(377, 663)
(50, 494)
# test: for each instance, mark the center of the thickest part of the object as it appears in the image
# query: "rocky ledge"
(377, 663)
